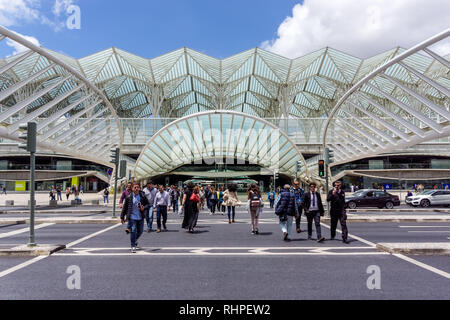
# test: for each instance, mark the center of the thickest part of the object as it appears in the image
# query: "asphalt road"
(223, 261)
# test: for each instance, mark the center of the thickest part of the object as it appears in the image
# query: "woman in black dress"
(190, 209)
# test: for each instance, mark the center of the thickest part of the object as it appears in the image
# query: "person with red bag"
(190, 205)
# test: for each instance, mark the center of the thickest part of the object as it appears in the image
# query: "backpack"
(255, 200)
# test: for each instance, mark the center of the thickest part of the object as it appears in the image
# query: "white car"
(430, 198)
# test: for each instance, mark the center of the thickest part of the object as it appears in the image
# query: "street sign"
(110, 171)
(387, 186)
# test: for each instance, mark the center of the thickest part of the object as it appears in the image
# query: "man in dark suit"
(312, 204)
(336, 197)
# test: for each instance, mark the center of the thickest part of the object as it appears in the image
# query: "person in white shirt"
(161, 205)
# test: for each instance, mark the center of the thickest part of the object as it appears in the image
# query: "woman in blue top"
(220, 206)
(271, 197)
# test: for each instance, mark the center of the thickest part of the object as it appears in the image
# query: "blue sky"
(219, 28)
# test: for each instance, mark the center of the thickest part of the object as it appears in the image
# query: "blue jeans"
(149, 217)
(230, 208)
(286, 226)
(137, 227)
(272, 201)
(105, 199)
(59, 196)
(175, 206)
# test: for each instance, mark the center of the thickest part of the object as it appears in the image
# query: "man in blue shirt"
(134, 209)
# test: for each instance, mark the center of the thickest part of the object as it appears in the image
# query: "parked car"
(430, 198)
(372, 198)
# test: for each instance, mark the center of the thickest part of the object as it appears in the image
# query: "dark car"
(372, 198)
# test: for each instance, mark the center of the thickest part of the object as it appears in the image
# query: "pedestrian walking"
(81, 190)
(191, 199)
(67, 193)
(299, 194)
(254, 204)
(58, 193)
(336, 197)
(212, 200)
(231, 200)
(106, 195)
(286, 209)
(160, 206)
(150, 193)
(53, 193)
(4, 190)
(271, 197)
(220, 201)
(125, 194)
(202, 195)
(133, 211)
(174, 197)
(312, 204)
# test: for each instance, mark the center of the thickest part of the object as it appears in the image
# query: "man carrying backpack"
(286, 208)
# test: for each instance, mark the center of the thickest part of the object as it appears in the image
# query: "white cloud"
(18, 48)
(61, 6)
(360, 28)
(13, 12)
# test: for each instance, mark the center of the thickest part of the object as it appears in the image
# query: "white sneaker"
(133, 250)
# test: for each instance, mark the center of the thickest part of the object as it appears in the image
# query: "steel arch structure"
(73, 116)
(219, 134)
(401, 103)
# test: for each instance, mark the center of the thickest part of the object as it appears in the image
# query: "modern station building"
(247, 118)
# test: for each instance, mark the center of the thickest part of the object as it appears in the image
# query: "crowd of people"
(56, 192)
(140, 206)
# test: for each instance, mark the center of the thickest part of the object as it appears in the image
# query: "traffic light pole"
(115, 192)
(32, 242)
(29, 135)
(115, 155)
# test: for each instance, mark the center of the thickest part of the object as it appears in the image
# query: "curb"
(54, 212)
(440, 249)
(24, 251)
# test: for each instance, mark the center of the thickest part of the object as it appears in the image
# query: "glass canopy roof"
(214, 136)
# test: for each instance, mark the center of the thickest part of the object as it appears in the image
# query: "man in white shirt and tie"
(313, 207)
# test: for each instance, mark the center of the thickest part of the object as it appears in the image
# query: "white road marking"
(428, 231)
(223, 254)
(39, 258)
(423, 265)
(352, 236)
(23, 230)
(91, 235)
(401, 256)
(424, 226)
(21, 266)
(212, 251)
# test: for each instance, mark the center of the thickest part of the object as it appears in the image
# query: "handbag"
(194, 198)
